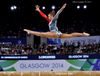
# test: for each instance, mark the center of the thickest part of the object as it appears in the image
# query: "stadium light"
(78, 7)
(43, 7)
(13, 7)
(53, 7)
(85, 6)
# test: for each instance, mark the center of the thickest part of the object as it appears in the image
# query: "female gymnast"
(54, 32)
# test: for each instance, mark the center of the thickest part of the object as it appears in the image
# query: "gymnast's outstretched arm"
(59, 11)
(41, 13)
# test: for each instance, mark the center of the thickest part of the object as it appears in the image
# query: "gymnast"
(54, 32)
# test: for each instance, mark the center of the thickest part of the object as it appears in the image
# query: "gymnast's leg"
(35, 33)
(42, 34)
(80, 34)
(54, 35)
(64, 35)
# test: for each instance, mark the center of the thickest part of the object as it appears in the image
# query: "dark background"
(70, 20)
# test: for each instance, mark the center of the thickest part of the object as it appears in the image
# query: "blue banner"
(49, 57)
(76, 40)
(13, 41)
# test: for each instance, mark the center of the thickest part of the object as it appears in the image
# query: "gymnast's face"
(50, 16)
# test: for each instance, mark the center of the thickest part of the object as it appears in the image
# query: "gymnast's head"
(51, 14)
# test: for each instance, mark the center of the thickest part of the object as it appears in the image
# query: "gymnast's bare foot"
(86, 34)
(26, 30)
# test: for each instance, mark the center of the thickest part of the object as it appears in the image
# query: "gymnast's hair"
(52, 13)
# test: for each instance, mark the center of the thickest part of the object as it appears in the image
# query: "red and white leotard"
(44, 16)
(52, 23)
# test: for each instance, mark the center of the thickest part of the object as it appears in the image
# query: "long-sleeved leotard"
(44, 16)
(53, 23)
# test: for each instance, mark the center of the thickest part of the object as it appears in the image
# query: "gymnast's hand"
(37, 8)
(26, 30)
(63, 6)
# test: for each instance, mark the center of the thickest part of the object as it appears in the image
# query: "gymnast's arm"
(61, 9)
(41, 13)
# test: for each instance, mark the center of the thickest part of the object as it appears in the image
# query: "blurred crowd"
(12, 49)
(48, 49)
(69, 49)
